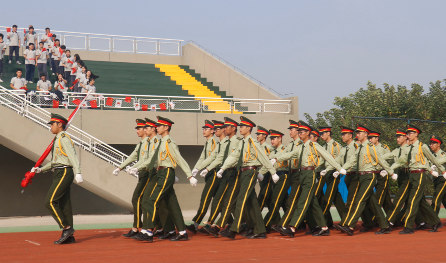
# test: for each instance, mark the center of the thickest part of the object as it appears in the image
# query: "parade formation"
(291, 177)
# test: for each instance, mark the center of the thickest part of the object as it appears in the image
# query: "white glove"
(193, 181)
(275, 178)
(433, 167)
(336, 174)
(127, 169)
(434, 173)
(204, 173)
(220, 173)
(273, 161)
(260, 177)
(116, 171)
(79, 178)
(194, 172)
(324, 172)
(176, 180)
(444, 175)
(342, 171)
(394, 177)
(36, 170)
(383, 173)
(133, 171)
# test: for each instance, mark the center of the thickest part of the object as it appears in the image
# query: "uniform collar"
(210, 139)
(167, 137)
(352, 144)
(247, 138)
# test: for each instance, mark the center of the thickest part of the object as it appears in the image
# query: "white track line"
(37, 244)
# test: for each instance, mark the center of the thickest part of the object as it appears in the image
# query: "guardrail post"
(112, 44)
(158, 47)
(135, 46)
(87, 42)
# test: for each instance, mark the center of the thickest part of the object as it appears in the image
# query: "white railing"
(109, 43)
(18, 103)
(154, 102)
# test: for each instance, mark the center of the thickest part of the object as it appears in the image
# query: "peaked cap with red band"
(246, 122)
(57, 118)
(374, 134)
(150, 123)
(304, 126)
(436, 139)
(230, 122)
(164, 121)
(346, 130)
(262, 130)
(362, 128)
(218, 124)
(274, 133)
(293, 124)
(400, 132)
(412, 128)
(140, 123)
(325, 129)
(315, 132)
(208, 124)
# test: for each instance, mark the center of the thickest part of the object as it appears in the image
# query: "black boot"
(248, 233)
(386, 230)
(191, 228)
(143, 237)
(346, 230)
(168, 235)
(313, 231)
(286, 232)
(257, 236)
(70, 240)
(66, 233)
(436, 227)
(227, 233)
(322, 232)
(213, 230)
(180, 237)
(131, 233)
(406, 231)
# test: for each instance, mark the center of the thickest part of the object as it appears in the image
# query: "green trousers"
(58, 199)
(440, 193)
(291, 202)
(399, 201)
(164, 191)
(364, 196)
(417, 202)
(248, 204)
(143, 180)
(265, 193)
(163, 220)
(279, 194)
(308, 200)
(352, 183)
(212, 183)
(229, 197)
(331, 196)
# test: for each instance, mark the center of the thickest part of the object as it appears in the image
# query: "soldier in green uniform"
(247, 159)
(366, 160)
(65, 165)
(416, 158)
(439, 182)
(139, 155)
(212, 182)
(309, 155)
(266, 184)
(281, 186)
(168, 158)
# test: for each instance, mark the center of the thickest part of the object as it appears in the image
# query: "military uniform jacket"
(141, 149)
(417, 159)
(268, 148)
(346, 153)
(253, 154)
(441, 157)
(280, 166)
(397, 153)
(367, 159)
(382, 150)
(63, 154)
(292, 146)
(169, 156)
(233, 144)
(151, 146)
(208, 149)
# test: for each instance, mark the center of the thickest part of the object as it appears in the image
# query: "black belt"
(62, 167)
(350, 173)
(248, 168)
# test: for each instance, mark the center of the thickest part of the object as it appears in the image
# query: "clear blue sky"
(315, 49)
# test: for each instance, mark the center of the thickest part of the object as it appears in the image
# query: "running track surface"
(109, 246)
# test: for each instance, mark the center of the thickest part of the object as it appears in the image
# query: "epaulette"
(370, 144)
(385, 146)
(62, 135)
(239, 138)
(335, 143)
(298, 144)
(311, 143)
(356, 146)
(283, 147)
(168, 140)
(156, 140)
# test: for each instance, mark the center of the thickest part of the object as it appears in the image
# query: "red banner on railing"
(76, 101)
(109, 102)
(93, 104)
(128, 99)
(163, 106)
(144, 107)
(56, 104)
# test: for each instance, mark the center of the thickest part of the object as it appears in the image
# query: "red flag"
(8, 29)
(109, 102)
(74, 71)
(55, 104)
(163, 106)
(71, 87)
(69, 61)
(44, 49)
(60, 51)
(60, 84)
(77, 101)
(24, 88)
(93, 104)
(24, 31)
(76, 81)
(128, 99)
(50, 34)
(144, 107)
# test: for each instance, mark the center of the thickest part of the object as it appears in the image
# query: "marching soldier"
(212, 182)
(439, 182)
(266, 185)
(247, 159)
(65, 165)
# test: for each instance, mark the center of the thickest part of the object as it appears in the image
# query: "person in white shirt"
(2, 53)
(43, 84)
(14, 44)
(61, 83)
(92, 88)
(77, 65)
(62, 56)
(55, 57)
(30, 62)
(42, 57)
(18, 83)
(67, 63)
(30, 37)
(80, 76)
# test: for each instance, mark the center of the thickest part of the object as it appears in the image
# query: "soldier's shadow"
(107, 234)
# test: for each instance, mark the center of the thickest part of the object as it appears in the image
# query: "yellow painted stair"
(195, 88)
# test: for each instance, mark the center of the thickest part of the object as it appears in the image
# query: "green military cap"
(412, 128)
(400, 132)
(246, 122)
(150, 123)
(140, 123)
(208, 124)
(324, 129)
(374, 134)
(57, 118)
(293, 124)
(164, 121)
(218, 124)
(304, 126)
(274, 133)
(362, 128)
(346, 129)
(436, 139)
(315, 132)
(262, 130)
(230, 122)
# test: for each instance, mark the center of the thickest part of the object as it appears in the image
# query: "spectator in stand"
(2, 53)
(55, 59)
(47, 43)
(18, 83)
(62, 56)
(81, 75)
(67, 63)
(51, 44)
(92, 88)
(30, 37)
(42, 57)
(86, 81)
(77, 66)
(30, 62)
(61, 83)
(43, 84)
(14, 44)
